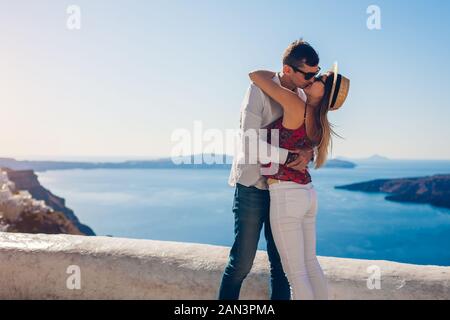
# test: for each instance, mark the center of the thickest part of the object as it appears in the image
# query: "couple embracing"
(278, 194)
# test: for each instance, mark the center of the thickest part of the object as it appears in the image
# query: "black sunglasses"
(319, 78)
(307, 75)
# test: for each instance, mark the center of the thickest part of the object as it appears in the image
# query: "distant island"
(434, 190)
(373, 158)
(336, 163)
(192, 162)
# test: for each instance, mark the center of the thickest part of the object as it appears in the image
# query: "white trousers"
(293, 210)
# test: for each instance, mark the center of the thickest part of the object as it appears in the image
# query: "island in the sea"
(434, 190)
(192, 162)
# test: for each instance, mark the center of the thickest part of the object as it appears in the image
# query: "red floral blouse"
(289, 139)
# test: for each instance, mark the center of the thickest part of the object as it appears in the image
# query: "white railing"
(52, 266)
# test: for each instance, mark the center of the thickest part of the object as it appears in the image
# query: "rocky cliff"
(26, 206)
(434, 190)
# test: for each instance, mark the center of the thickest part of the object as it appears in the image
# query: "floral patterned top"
(290, 139)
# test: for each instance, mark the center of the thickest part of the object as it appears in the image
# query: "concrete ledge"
(35, 267)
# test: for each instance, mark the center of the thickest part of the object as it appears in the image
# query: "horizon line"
(88, 158)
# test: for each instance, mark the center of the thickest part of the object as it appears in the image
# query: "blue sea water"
(195, 206)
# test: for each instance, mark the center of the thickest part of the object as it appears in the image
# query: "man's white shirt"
(257, 111)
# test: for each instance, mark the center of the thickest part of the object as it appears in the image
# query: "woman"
(293, 199)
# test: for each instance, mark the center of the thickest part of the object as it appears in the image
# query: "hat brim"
(339, 89)
(334, 70)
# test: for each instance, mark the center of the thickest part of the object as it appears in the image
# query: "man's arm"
(251, 120)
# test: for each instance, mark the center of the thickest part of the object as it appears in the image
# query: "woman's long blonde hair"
(325, 127)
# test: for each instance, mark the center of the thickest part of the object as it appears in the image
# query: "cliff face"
(34, 209)
(434, 190)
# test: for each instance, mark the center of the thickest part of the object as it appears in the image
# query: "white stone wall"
(35, 267)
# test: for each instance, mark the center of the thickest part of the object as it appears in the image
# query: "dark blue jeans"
(251, 207)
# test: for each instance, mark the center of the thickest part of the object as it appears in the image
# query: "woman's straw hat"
(339, 90)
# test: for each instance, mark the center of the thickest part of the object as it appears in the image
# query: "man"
(251, 204)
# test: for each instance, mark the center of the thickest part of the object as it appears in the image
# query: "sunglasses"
(319, 78)
(307, 75)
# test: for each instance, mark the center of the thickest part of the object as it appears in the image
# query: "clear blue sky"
(137, 70)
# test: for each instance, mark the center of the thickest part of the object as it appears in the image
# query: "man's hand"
(301, 160)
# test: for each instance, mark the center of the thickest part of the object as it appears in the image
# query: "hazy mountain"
(188, 162)
(373, 158)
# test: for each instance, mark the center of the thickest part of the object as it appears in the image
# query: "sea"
(194, 205)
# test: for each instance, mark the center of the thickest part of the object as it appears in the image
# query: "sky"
(138, 71)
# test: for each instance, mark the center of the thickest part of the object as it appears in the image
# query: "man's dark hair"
(299, 53)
